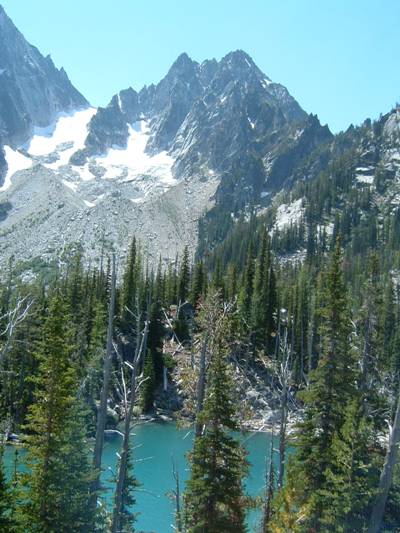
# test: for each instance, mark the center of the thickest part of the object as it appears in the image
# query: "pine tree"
(155, 339)
(198, 283)
(325, 441)
(184, 277)
(260, 305)
(6, 525)
(147, 393)
(214, 499)
(246, 291)
(128, 517)
(129, 290)
(56, 487)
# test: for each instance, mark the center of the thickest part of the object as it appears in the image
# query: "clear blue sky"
(338, 58)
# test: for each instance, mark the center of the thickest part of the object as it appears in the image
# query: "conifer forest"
(199, 281)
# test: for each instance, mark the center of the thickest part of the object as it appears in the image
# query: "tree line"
(323, 335)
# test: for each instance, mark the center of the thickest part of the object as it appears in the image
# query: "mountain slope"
(348, 186)
(32, 90)
(175, 163)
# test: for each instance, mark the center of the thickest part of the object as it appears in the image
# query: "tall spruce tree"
(214, 499)
(184, 277)
(319, 482)
(6, 524)
(56, 486)
(260, 305)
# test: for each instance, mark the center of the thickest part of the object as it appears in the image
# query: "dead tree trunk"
(102, 410)
(201, 385)
(284, 378)
(177, 495)
(269, 489)
(123, 463)
(386, 475)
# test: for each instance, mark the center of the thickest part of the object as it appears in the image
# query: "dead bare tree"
(102, 409)
(386, 477)
(12, 319)
(211, 319)
(269, 488)
(177, 496)
(141, 346)
(283, 374)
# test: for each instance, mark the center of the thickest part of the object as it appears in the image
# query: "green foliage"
(214, 499)
(56, 487)
(6, 522)
(148, 387)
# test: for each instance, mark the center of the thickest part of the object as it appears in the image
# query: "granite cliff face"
(216, 117)
(210, 140)
(32, 90)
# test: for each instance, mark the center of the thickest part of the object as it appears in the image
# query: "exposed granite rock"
(32, 90)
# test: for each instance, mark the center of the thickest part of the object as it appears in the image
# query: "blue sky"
(338, 58)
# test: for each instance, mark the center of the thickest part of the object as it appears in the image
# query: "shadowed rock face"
(218, 136)
(32, 89)
(222, 117)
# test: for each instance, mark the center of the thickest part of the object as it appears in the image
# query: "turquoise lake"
(156, 446)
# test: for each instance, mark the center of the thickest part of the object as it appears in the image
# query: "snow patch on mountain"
(288, 214)
(134, 161)
(16, 161)
(365, 175)
(54, 145)
(65, 136)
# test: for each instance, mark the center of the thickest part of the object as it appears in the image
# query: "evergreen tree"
(246, 291)
(322, 470)
(6, 524)
(56, 486)
(129, 291)
(198, 283)
(260, 305)
(184, 277)
(214, 499)
(128, 517)
(155, 339)
(147, 398)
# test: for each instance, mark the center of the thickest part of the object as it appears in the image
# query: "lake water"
(156, 446)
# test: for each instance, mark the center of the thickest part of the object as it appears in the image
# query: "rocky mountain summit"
(211, 118)
(175, 163)
(32, 90)
(214, 135)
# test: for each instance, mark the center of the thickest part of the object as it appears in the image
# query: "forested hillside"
(204, 256)
(82, 355)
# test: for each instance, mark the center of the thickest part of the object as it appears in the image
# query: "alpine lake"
(157, 447)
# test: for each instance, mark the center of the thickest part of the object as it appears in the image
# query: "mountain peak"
(34, 91)
(183, 59)
(239, 58)
(182, 65)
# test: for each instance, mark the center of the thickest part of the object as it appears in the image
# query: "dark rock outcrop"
(32, 90)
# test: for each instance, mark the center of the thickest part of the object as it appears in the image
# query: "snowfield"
(288, 214)
(16, 161)
(134, 159)
(69, 130)
(54, 145)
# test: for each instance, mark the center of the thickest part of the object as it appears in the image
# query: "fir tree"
(128, 517)
(147, 397)
(56, 487)
(6, 524)
(260, 305)
(246, 291)
(184, 277)
(198, 283)
(325, 441)
(214, 499)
